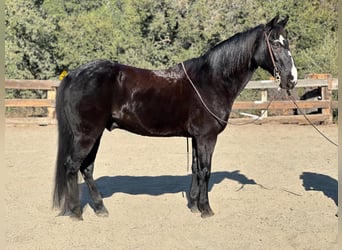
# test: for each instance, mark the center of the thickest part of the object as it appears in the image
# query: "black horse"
(192, 99)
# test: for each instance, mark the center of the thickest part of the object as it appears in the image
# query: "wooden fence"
(324, 82)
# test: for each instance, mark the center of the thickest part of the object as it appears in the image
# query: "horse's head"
(273, 53)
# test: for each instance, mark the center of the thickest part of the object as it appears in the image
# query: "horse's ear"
(284, 22)
(273, 22)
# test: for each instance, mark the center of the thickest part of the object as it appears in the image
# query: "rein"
(212, 113)
(277, 80)
(204, 105)
(276, 76)
(200, 97)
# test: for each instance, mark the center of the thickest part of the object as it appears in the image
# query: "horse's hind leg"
(72, 206)
(87, 169)
(78, 153)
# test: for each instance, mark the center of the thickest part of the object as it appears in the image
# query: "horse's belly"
(149, 123)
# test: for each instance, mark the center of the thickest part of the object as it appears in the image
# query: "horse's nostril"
(292, 84)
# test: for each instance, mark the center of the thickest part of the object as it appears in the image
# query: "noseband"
(276, 71)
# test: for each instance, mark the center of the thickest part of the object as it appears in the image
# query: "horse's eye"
(276, 44)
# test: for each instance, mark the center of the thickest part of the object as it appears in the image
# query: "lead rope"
(257, 118)
(213, 114)
(309, 121)
(205, 106)
(187, 154)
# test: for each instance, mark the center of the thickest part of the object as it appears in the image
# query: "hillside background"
(44, 37)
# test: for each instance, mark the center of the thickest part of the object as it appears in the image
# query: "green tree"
(45, 36)
(29, 41)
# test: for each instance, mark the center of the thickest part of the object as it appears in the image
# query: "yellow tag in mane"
(63, 74)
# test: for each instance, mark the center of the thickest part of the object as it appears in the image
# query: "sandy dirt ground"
(272, 187)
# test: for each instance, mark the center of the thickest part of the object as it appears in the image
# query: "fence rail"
(324, 82)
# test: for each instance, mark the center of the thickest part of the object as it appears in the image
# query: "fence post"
(330, 97)
(327, 96)
(51, 95)
(264, 99)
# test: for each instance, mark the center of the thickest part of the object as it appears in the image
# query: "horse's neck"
(232, 61)
(227, 68)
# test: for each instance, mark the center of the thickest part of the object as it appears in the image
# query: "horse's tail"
(65, 142)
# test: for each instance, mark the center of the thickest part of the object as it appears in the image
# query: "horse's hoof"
(193, 205)
(194, 209)
(75, 217)
(207, 214)
(72, 215)
(206, 211)
(103, 212)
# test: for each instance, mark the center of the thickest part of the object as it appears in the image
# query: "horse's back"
(152, 102)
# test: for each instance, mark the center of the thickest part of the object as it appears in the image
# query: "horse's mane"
(231, 54)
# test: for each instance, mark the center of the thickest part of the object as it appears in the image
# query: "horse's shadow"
(321, 182)
(154, 185)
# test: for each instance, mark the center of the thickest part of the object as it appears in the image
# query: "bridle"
(276, 70)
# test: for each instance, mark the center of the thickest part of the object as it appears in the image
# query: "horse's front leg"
(204, 148)
(194, 188)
